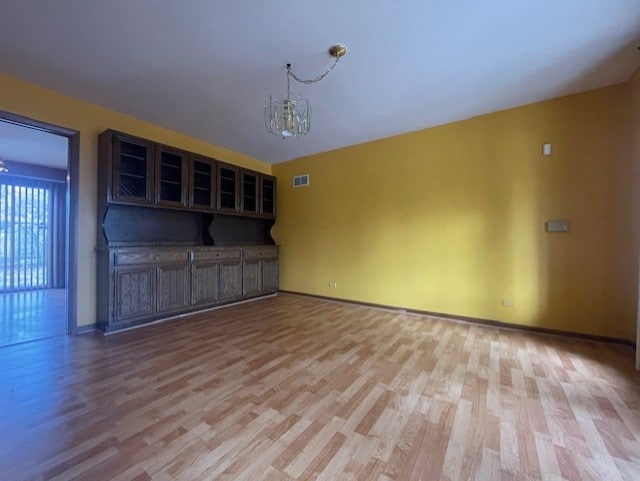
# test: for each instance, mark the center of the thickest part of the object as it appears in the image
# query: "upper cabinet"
(203, 185)
(171, 176)
(268, 196)
(138, 171)
(132, 170)
(249, 192)
(228, 192)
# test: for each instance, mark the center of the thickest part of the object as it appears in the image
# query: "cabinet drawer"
(207, 255)
(151, 257)
(263, 252)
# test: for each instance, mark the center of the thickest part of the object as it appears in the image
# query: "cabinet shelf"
(133, 157)
(150, 195)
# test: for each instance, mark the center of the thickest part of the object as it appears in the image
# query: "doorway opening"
(38, 229)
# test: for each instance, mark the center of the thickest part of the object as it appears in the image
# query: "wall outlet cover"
(508, 303)
(558, 226)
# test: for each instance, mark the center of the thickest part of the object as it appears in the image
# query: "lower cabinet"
(138, 284)
(134, 293)
(230, 280)
(172, 287)
(270, 274)
(204, 283)
(259, 271)
(251, 277)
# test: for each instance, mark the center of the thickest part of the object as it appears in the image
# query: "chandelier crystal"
(289, 116)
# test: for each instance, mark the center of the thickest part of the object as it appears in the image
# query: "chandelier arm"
(313, 80)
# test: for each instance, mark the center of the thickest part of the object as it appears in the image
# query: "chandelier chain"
(313, 80)
(290, 117)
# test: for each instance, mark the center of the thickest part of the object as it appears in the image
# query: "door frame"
(71, 204)
(638, 326)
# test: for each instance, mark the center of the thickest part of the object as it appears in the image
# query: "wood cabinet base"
(139, 285)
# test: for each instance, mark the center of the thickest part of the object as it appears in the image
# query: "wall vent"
(301, 180)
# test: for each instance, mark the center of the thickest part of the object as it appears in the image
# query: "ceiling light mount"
(290, 116)
(338, 50)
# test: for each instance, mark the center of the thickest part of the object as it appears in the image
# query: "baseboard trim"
(183, 315)
(86, 329)
(475, 320)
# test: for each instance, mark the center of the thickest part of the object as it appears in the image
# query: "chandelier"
(290, 115)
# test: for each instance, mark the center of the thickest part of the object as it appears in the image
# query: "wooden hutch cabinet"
(179, 232)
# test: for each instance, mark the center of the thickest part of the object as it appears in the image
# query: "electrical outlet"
(333, 285)
(508, 303)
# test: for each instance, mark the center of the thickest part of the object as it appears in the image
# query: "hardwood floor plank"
(293, 388)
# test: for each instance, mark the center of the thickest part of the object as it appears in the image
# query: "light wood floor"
(30, 315)
(294, 388)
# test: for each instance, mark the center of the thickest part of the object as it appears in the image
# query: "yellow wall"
(49, 106)
(634, 174)
(451, 219)
(448, 219)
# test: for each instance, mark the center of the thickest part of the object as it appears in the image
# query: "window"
(25, 234)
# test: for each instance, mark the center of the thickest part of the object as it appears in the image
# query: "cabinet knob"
(155, 258)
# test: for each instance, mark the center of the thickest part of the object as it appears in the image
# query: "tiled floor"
(30, 315)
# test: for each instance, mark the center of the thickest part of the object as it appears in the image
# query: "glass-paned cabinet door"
(203, 183)
(132, 170)
(171, 177)
(250, 190)
(268, 196)
(228, 198)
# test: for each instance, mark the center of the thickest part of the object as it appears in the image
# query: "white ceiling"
(32, 146)
(205, 67)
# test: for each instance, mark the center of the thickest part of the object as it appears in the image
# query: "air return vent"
(301, 180)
